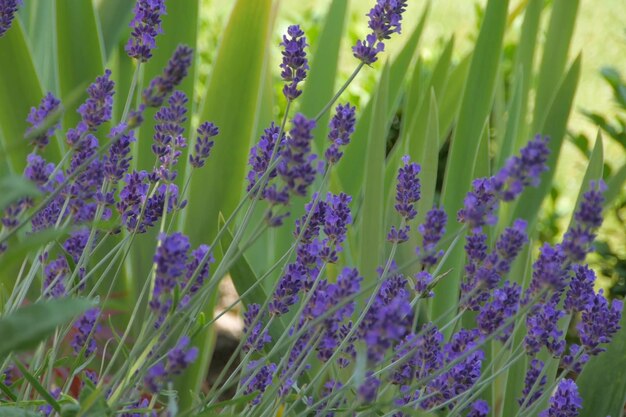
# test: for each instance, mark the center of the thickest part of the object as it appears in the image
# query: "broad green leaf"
(429, 160)
(114, 17)
(14, 187)
(594, 170)
(372, 209)
(615, 185)
(602, 383)
(524, 60)
(232, 102)
(351, 168)
(17, 412)
(555, 127)
(554, 60)
(19, 91)
(320, 81)
(79, 50)
(513, 121)
(475, 108)
(450, 104)
(25, 327)
(39, 24)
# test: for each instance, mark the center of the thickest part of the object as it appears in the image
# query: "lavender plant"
(320, 337)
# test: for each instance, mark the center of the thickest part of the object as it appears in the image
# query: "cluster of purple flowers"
(8, 8)
(176, 268)
(384, 20)
(85, 327)
(146, 26)
(295, 64)
(177, 360)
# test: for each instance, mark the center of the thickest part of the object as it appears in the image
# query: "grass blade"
(372, 208)
(79, 51)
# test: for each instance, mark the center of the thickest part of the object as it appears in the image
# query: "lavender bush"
(392, 296)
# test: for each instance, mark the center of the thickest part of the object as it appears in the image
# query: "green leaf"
(554, 60)
(475, 108)
(14, 187)
(232, 102)
(555, 127)
(79, 50)
(39, 25)
(602, 383)
(594, 170)
(114, 17)
(27, 326)
(34, 382)
(615, 185)
(320, 81)
(19, 91)
(17, 412)
(372, 208)
(429, 160)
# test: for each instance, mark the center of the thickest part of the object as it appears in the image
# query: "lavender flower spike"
(173, 74)
(408, 189)
(385, 18)
(341, 128)
(295, 64)
(7, 13)
(146, 26)
(565, 402)
(37, 117)
(204, 144)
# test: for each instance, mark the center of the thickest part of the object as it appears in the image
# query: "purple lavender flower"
(296, 167)
(565, 402)
(178, 359)
(336, 222)
(256, 338)
(522, 171)
(341, 128)
(47, 410)
(168, 137)
(542, 323)
(55, 274)
(173, 74)
(132, 198)
(549, 270)
(83, 337)
(533, 372)
(385, 18)
(146, 26)
(423, 280)
(503, 306)
(479, 408)
(587, 218)
(599, 323)
(37, 118)
(204, 144)
(171, 265)
(407, 189)
(200, 255)
(432, 231)
(8, 8)
(398, 235)
(289, 286)
(575, 359)
(117, 162)
(97, 109)
(368, 390)
(38, 170)
(143, 403)
(580, 294)
(260, 156)
(479, 204)
(294, 65)
(258, 379)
